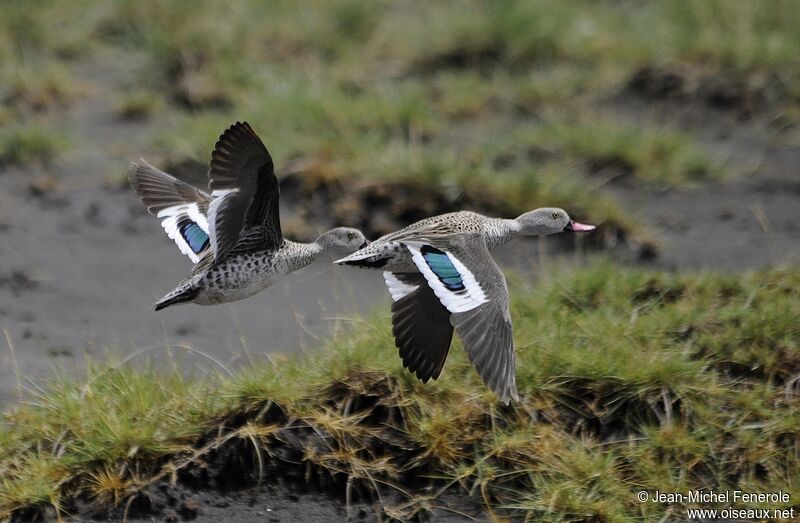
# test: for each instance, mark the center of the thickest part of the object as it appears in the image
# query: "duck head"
(548, 220)
(342, 240)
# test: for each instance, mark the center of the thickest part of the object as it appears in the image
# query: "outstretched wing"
(181, 207)
(471, 286)
(420, 325)
(243, 183)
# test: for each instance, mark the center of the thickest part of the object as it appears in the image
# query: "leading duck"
(234, 234)
(441, 277)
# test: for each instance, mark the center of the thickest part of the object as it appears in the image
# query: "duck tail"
(179, 295)
(364, 258)
(373, 262)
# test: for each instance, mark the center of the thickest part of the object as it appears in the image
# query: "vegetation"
(28, 144)
(139, 105)
(369, 91)
(630, 380)
(38, 87)
(652, 156)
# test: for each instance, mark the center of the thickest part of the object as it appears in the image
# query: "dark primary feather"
(240, 161)
(373, 263)
(158, 190)
(421, 329)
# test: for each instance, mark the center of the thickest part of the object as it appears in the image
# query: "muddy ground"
(281, 500)
(81, 264)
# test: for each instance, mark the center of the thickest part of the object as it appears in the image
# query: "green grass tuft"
(614, 148)
(37, 86)
(30, 144)
(139, 105)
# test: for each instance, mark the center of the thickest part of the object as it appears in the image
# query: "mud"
(719, 89)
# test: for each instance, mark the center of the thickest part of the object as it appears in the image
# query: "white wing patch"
(397, 288)
(470, 297)
(221, 193)
(219, 196)
(198, 217)
(173, 216)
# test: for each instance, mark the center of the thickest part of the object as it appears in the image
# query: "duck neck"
(305, 254)
(499, 231)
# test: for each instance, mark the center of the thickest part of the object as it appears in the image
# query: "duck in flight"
(233, 235)
(441, 277)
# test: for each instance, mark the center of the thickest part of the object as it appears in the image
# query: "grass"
(38, 86)
(653, 156)
(629, 379)
(369, 91)
(29, 144)
(738, 35)
(139, 105)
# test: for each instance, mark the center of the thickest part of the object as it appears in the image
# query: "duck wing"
(420, 324)
(181, 207)
(470, 285)
(245, 190)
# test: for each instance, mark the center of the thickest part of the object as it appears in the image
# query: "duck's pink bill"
(579, 227)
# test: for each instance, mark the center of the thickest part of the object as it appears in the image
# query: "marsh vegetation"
(629, 380)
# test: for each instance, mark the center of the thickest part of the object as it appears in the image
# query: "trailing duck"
(233, 235)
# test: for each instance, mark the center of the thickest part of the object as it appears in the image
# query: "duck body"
(232, 234)
(240, 275)
(388, 254)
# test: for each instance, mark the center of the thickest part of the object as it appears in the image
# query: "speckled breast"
(240, 277)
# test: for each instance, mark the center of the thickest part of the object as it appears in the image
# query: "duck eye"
(555, 216)
(350, 235)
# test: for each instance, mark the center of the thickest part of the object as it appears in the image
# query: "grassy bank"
(630, 380)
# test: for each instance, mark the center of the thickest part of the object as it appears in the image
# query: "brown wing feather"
(158, 190)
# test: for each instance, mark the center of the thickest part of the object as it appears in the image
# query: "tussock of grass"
(29, 144)
(139, 105)
(619, 148)
(629, 380)
(49, 28)
(37, 86)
